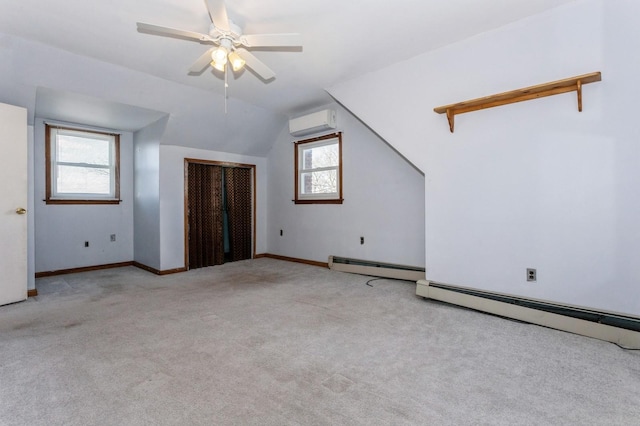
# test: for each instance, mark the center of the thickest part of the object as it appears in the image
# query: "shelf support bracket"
(450, 118)
(579, 91)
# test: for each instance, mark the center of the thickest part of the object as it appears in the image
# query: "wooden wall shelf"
(526, 94)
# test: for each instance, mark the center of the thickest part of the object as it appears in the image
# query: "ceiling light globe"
(219, 55)
(219, 67)
(236, 61)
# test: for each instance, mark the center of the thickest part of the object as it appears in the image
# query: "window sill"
(71, 201)
(338, 201)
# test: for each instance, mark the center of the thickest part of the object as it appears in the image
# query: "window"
(82, 166)
(318, 163)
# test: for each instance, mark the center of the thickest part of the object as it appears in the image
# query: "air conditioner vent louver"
(313, 123)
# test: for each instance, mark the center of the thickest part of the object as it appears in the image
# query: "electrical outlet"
(113, 237)
(531, 274)
(361, 240)
(86, 243)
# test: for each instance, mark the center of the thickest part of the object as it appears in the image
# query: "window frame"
(333, 198)
(51, 160)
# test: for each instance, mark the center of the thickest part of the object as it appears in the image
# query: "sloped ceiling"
(342, 40)
(91, 111)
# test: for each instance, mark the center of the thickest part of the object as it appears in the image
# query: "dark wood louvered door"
(219, 210)
(238, 197)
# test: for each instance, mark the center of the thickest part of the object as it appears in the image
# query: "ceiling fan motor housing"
(235, 31)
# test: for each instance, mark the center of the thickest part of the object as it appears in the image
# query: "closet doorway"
(219, 212)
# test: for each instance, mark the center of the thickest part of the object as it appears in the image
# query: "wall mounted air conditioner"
(313, 123)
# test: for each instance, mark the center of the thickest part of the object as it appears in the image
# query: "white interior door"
(13, 204)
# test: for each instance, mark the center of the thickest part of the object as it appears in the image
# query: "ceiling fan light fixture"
(219, 67)
(219, 55)
(236, 61)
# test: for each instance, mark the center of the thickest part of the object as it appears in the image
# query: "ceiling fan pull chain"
(226, 85)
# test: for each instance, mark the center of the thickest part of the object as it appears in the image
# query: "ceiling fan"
(229, 44)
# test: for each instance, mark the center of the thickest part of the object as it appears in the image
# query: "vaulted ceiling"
(75, 59)
(342, 39)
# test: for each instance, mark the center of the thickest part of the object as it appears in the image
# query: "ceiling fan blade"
(256, 64)
(272, 40)
(173, 32)
(218, 14)
(202, 62)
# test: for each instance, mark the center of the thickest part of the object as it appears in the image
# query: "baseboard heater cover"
(621, 329)
(376, 269)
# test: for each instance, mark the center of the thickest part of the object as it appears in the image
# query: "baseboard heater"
(621, 329)
(376, 269)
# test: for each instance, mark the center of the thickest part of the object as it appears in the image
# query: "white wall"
(619, 127)
(535, 184)
(172, 238)
(146, 218)
(383, 202)
(61, 230)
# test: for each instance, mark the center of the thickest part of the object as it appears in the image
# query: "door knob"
(20, 210)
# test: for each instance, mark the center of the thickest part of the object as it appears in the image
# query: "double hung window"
(319, 170)
(82, 166)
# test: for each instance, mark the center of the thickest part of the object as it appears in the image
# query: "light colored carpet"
(268, 342)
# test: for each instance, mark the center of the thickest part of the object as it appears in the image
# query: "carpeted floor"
(268, 342)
